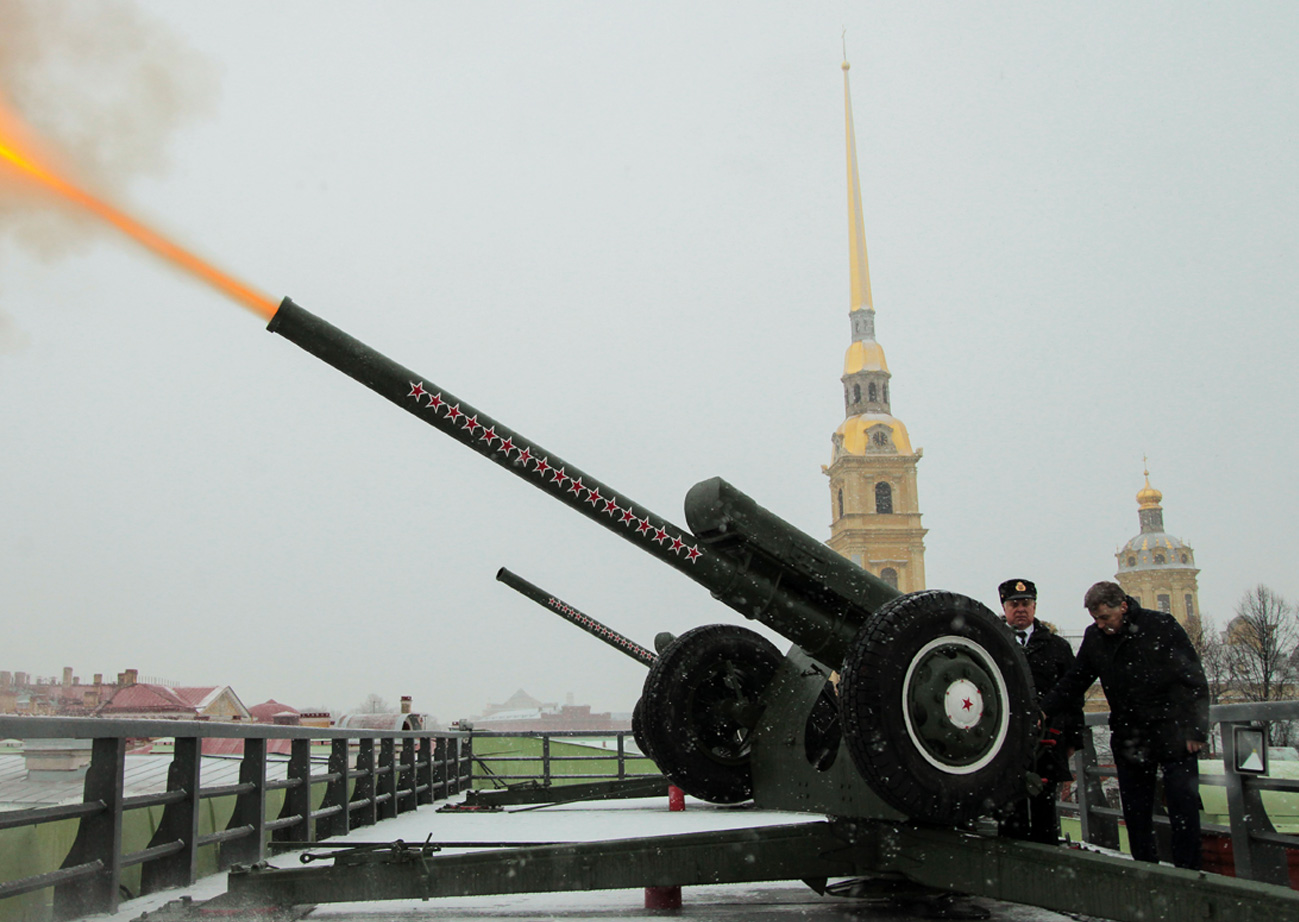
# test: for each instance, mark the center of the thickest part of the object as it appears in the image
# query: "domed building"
(1156, 568)
(875, 510)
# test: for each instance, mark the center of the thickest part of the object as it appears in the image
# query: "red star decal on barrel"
(506, 446)
(488, 434)
(660, 535)
(576, 486)
(610, 507)
(455, 413)
(628, 516)
(435, 402)
(417, 390)
(472, 423)
(593, 496)
(541, 467)
(525, 455)
(677, 545)
(693, 554)
(644, 526)
(559, 477)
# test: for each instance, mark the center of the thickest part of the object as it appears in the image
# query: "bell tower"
(1156, 568)
(874, 506)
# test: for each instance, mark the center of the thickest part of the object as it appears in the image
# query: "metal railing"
(405, 769)
(1258, 850)
(496, 768)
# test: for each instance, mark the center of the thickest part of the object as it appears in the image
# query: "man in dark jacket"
(1159, 714)
(1049, 658)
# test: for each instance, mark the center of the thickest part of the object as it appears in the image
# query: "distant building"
(146, 700)
(406, 719)
(523, 712)
(1156, 568)
(23, 693)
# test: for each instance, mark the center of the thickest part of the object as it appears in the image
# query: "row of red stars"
(575, 485)
(596, 627)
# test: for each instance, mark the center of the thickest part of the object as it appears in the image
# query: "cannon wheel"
(638, 729)
(938, 707)
(701, 701)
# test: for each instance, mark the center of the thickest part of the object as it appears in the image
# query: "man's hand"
(1194, 745)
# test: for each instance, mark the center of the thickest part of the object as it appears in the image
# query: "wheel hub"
(952, 699)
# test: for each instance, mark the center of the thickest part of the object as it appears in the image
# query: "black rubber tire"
(701, 701)
(638, 730)
(926, 743)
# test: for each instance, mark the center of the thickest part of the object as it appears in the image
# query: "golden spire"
(860, 284)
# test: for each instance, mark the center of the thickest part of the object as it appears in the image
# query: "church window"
(886, 392)
(883, 498)
(1184, 558)
(841, 504)
(871, 390)
(1132, 561)
(890, 576)
(856, 393)
(1190, 607)
(1165, 604)
(1159, 558)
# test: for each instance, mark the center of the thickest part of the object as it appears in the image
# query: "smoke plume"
(105, 86)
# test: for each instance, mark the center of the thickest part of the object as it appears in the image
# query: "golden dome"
(864, 355)
(1148, 497)
(857, 432)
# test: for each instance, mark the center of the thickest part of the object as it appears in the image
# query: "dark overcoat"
(1153, 681)
(1049, 659)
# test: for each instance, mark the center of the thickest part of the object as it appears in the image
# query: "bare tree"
(373, 704)
(1260, 641)
(1213, 654)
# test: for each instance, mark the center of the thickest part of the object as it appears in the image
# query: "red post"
(662, 897)
(667, 897)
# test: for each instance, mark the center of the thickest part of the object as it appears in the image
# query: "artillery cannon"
(934, 703)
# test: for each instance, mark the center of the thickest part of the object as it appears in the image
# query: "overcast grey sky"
(621, 229)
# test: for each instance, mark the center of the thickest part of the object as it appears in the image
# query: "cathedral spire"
(860, 283)
(875, 509)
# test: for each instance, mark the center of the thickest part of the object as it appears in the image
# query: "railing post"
(1261, 861)
(1096, 829)
(545, 759)
(336, 824)
(364, 790)
(622, 756)
(387, 779)
(406, 783)
(424, 771)
(179, 823)
(451, 764)
(99, 836)
(297, 798)
(465, 767)
(250, 810)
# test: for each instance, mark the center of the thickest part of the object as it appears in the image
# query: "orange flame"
(29, 165)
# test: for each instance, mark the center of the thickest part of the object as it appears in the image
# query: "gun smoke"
(105, 85)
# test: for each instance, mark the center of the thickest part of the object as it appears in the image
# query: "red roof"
(146, 697)
(267, 711)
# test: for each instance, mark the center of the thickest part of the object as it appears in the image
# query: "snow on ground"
(585, 823)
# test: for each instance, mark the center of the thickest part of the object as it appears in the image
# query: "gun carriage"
(933, 703)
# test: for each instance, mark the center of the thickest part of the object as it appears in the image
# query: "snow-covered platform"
(586, 823)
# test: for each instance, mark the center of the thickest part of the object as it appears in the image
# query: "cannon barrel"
(601, 631)
(748, 572)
